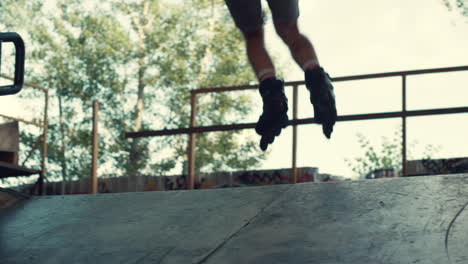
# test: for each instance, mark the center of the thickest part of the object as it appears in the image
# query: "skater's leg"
(275, 104)
(317, 80)
(247, 15)
(285, 15)
(301, 48)
(258, 55)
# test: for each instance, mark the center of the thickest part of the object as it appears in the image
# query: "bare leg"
(258, 55)
(301, 48)
(317, 80)
(275, 105)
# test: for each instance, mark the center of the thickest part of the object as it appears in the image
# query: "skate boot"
(322, 98)
(275, 111)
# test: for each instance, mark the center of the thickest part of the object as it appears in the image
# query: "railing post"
(191, 146)
(95, 149)
(42, 176)
(294, 147)
(403, 149)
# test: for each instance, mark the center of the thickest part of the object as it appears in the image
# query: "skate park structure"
(295, 121)
(391, 220)
(395, 220)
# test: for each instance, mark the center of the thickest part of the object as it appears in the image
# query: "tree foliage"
(140, 60)
(460, 6)
(387, 155)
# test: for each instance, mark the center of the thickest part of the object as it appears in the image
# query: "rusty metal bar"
(294, 149)
(226, 89)
(44, 145)
(36, 144)
(21, 120)
(95, 149)
(179, 131)
(340, 79)
(33, 85)
(194, 129)
(403, 149)
(384, 115)
(358, 117)
(400, 73)
(191, 145)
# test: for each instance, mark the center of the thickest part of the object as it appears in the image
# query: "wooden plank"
(9, 170)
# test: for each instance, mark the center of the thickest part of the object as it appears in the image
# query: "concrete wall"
(167, 183)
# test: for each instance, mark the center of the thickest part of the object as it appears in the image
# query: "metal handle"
(19, 62)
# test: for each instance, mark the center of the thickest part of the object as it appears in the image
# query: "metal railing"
(294, 122)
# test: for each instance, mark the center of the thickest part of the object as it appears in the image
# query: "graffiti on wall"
(445, 166)
(260, 178)
(169, 183)
(437, 166)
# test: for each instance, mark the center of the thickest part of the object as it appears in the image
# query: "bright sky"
(369, 36)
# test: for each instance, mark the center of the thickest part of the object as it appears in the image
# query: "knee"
(289, 33)
(253, 35)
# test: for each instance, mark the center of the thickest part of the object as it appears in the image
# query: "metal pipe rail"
(404, 113)
(294, 122)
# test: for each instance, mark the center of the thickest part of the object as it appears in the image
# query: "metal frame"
(404, 113)
(43, 137)
(18, 80)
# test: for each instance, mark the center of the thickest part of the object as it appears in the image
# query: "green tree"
(140, 59)
(198, 49)
(387, 155)
(80, 63)
(460, 6)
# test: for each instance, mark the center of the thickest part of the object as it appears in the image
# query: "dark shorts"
(248, 16)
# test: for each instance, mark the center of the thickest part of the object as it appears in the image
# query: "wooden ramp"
(394, 220)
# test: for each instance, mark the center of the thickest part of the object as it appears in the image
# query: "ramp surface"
(400, 220)
(9, 198)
